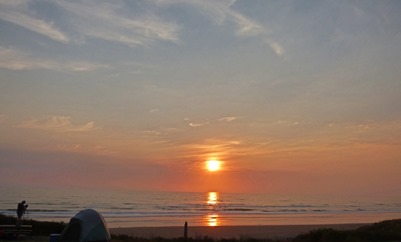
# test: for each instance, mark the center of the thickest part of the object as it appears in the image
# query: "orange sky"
(292, 97)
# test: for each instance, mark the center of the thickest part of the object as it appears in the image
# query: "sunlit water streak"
(124, 209)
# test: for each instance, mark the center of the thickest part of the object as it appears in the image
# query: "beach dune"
(218, 232)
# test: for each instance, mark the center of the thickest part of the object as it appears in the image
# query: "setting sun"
(213, 165)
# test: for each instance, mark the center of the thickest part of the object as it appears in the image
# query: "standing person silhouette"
(22, 206)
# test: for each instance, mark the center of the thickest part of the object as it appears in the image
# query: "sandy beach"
(259, 232)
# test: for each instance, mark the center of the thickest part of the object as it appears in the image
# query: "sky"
(293, 97)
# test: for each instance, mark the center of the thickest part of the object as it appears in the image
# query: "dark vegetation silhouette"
(38, 227)
(389, 230)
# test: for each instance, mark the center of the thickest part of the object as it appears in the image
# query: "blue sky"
(280, 91)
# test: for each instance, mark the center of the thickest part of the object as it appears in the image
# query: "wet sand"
(257, 232)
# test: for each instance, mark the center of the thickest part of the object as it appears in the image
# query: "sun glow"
(213, 165)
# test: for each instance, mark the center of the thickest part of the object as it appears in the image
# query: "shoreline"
(228, 232)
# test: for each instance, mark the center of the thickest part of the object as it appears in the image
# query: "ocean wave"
(163, 206)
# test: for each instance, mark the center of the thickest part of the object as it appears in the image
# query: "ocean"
(151, 209)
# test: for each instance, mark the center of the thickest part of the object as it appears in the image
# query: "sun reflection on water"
(213, 198)
(212, 218)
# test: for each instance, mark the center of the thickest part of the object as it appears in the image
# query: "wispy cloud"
(110, 21)
(79, 66)
(154, 110)
(196, 125)
(217, 148)
(227, 119)
(80, 148)
(57, 124)
(193, 124)
(245, 26)
(222, 12)
(17, 12)
(13, 59)
(286, 123)
(92, 19)
(276, 47)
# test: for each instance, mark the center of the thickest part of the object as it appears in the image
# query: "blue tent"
(86, 226)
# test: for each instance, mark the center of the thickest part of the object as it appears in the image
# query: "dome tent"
(86, 226)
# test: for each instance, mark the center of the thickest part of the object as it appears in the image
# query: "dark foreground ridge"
(389, 230)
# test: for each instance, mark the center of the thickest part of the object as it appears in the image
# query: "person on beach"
(22, 206)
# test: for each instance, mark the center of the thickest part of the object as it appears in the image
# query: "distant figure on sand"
(22, 206)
